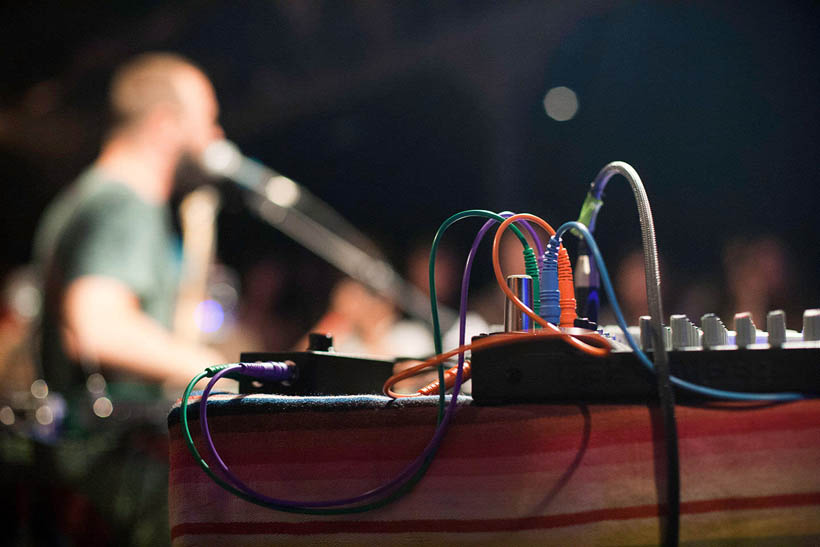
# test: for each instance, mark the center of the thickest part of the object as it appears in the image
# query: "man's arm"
(104, 323)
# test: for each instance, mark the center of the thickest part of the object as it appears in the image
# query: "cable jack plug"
(449, 380)
(550, 293)
(587, 283)
(270, 371)
(566, 288)
(211, 371)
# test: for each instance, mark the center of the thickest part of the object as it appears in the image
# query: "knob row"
(682, 333)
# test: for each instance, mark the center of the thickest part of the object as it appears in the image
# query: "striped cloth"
(509, 475)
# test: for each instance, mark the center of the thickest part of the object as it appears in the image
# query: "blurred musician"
(105, 244)
(107, 259)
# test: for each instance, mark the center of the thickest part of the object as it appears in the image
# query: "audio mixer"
(746, 359)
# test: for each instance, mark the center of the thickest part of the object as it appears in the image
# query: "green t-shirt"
(102, 227)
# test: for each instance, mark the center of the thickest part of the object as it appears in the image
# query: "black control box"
(321, 371)
(550, 370)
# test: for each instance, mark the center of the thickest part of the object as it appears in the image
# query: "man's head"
(164, 99)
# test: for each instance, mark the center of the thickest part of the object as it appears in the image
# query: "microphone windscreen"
(222, 158)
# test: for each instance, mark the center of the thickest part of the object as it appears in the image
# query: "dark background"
(402, 113)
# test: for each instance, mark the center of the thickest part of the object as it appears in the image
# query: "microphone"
(222, 158)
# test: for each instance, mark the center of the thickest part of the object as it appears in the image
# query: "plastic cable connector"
(589, 210)
(449, 380)
(268, 371)
(213, 369)
(566, 286)
(550, 294)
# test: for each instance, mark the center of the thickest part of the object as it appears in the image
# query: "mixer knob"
(811, 325)
(683, 335)
(776, 325)
(695, 335)
(646, 332)
(745, 331)
(714, 333)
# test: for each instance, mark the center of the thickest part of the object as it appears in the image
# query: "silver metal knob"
(514, 318)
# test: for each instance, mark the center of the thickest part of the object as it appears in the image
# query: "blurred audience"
(488, 302)
(630, 288)
(448, 272)
(363, 322)
(759, 277)
(20, 302)
(264, 284)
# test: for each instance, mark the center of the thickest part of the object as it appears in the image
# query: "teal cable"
(432, 270)
(434, 299)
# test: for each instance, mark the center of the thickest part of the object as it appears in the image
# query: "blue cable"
(550, 294)
(610, 293)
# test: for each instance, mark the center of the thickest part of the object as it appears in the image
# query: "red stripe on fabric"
(307, 418)
(352, 437)
(396, 443)
(702, 422)
(745, 504)
(749, 451)
(487, 525)
(547, 435)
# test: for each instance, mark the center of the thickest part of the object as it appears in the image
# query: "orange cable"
(449, 380)
(567, 300)
(495, 340)
(566, 286)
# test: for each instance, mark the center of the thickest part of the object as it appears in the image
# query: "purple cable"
(465, 283)
(438, 436)
(468, 268)
(408, 472)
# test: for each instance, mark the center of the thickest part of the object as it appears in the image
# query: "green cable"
(531, 265)
(589, 209)
(183, 408)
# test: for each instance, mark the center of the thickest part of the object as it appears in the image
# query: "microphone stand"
(279, 201)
